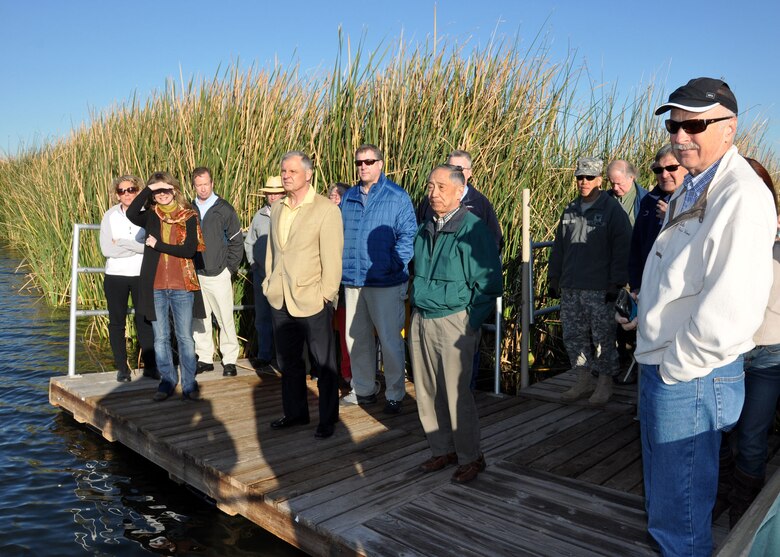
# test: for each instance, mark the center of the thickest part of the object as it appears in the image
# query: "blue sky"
(60, 60)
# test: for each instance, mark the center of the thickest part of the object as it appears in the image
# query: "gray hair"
(622, 166)
(455, 174)
(460, 153)
(305, 160)
(664, 151)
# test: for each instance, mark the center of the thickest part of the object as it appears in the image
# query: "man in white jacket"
(704, 290)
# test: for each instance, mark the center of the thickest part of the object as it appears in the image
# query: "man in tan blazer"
(303, 272)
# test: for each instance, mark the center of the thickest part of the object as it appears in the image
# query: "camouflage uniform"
(586, 317)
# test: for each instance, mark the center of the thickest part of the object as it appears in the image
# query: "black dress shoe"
(323, 431)
(229, 370)
(123, 376)
(284, 422)
(151, 373)
(203, 366)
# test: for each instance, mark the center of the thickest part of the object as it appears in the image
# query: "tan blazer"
(307, 270)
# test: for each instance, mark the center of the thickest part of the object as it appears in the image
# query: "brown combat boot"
(582, 387)
(603, 391)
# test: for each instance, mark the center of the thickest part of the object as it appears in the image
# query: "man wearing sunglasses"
(588, 266)
(704, 290)
(625, 189)
(379, 229)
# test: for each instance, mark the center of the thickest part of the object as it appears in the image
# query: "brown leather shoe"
(469, 471)
(436, 463)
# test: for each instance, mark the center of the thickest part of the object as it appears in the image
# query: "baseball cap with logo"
(700, 95)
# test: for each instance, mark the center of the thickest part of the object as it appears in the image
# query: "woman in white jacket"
(122, 243)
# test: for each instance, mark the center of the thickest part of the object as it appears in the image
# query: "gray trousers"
(442, 351)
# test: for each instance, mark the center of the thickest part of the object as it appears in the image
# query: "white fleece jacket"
(122, 243)
(707, 279)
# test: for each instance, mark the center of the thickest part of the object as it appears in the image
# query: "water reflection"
(67, 491)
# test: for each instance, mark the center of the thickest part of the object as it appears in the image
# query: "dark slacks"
(117, 289)
(290, 335)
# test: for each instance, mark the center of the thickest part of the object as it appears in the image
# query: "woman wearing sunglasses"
(168, 279)
(121, 242)
(669, 176)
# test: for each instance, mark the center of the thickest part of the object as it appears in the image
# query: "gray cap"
(589, 166)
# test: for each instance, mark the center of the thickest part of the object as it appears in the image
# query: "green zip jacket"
(455, 269)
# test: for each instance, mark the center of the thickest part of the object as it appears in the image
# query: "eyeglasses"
(168, 191)
(131, 189)
(367, 162)
(586, 178)
(670, 168)
(692, 126)
(459, 167)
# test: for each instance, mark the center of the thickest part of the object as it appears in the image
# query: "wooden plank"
(359, 492)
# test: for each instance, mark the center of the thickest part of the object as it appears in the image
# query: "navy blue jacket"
(646, 228)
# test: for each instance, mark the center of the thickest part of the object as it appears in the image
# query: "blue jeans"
(180, 303)
(762, 389)
(263, 323)
(681, 427)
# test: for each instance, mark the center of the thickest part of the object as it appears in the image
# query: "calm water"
(64, 490)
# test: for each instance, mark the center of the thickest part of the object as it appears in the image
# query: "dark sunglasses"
(586, 178)
(692, 126)
(367, 162)
(131, 189)
(670, 168)
(168, 191)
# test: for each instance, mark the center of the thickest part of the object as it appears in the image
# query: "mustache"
(685, 146)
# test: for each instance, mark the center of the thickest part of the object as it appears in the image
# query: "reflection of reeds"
(520, 115)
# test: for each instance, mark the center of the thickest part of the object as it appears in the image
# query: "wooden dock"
(562, 479)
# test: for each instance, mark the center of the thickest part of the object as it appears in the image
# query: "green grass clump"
(523, 117)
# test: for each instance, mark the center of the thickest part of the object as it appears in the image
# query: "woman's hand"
(151, 241)
(660, 208)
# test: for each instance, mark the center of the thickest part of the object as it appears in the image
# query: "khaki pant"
(442, 352)
(218, 299)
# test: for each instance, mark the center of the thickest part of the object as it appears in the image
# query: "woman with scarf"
(168, 279)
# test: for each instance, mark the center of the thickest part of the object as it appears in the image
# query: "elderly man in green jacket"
(457, 277)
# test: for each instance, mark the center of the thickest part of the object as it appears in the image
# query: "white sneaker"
(352, 398)
(349, 399)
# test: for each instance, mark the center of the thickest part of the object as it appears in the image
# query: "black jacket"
(224, 241)
(150, 222)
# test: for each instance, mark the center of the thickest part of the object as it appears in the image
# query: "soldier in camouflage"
(588, 266)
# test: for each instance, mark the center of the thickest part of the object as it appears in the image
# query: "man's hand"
(625, 323)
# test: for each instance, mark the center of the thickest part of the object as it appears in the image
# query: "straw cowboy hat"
(273, 185)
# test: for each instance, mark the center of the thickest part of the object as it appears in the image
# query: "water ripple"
(67, 491)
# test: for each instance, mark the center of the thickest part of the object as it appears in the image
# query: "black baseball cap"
(700, 95)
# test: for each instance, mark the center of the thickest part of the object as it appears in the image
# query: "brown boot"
(744, 490)
(582, 387)
(603, 391)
